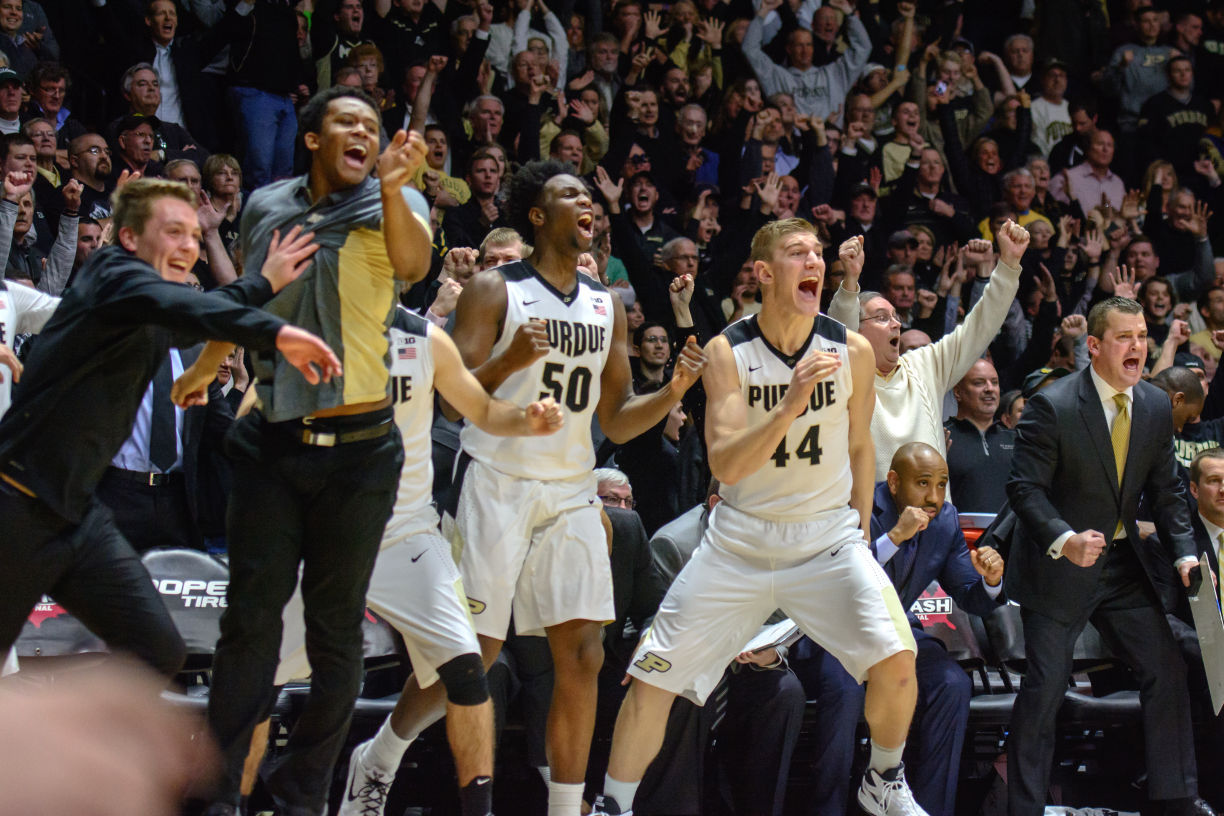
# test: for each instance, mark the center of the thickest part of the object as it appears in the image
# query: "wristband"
(901, 67)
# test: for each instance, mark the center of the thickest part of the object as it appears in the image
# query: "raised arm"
(405, 212)
(63, 251)
(862, 448)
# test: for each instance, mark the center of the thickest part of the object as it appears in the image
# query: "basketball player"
(790, 396)
(527, 517)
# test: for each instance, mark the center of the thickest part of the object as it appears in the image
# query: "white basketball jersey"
(412, 390)
(580, 337)
(809, 472)
(22, 311)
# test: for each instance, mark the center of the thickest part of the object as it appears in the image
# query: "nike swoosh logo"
(350, 794)
(422, 553)
(591, 501)
(754, 368)
(529, 302)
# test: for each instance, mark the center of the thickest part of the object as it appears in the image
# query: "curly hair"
(524, 192)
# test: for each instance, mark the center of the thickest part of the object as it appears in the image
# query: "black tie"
(163, 447)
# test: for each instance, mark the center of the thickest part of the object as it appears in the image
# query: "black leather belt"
(310, 433)
(138, 477)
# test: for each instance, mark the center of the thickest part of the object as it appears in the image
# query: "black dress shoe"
(1189, 806)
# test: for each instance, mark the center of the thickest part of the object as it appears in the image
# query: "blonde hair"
(132, 204)
(768, 236)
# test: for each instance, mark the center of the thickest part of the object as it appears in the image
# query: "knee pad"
(465, 681)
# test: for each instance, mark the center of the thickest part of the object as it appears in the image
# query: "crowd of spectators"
(920, 125)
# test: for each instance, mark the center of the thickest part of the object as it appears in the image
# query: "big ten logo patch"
(651, 662)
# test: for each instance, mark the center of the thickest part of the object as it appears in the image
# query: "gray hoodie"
(819, 90)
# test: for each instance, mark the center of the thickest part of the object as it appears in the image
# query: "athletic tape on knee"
(465, 681)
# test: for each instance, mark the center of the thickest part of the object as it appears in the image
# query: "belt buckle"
(154, 479)
(322, 439)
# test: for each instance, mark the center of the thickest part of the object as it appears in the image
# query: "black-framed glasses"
(616, 501)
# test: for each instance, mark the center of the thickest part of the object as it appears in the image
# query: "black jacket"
(94, 359)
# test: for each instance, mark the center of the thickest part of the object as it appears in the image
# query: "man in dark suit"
(1088, 447)
(153, 483)
(916, 537)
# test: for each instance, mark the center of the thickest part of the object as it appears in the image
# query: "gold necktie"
(1119, 437)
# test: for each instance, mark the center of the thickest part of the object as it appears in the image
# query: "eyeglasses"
(639, 160)
(95, 151)
(617, 501)
(883, 318)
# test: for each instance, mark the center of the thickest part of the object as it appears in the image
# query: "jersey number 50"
(575, 394)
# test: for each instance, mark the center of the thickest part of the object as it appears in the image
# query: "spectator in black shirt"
(141, 86)
(136, 136)
(221, 178)
(90, 160)
(265, 68)
(333, 35)
(979, 448)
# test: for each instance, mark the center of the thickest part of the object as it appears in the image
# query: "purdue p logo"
(475, 606)
(652, 662)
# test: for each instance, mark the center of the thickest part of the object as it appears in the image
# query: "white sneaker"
(607, 806)
(366, 792)
(888, 794)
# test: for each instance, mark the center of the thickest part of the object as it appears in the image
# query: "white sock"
(564, 799)
(545, 773)
(622, 792)
(883, 758)
(387, 748)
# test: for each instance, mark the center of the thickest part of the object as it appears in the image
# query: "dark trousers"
(91, 571)
(839, 705)
(757, 738)
(933, 749)
(1128, 614)
(323, 509)
(524, 668)
(933, 752)
(150, 516)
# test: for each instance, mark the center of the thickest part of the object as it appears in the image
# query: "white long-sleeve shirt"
(909, 401)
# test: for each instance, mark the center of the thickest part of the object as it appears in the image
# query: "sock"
(622, 792)
(564, 799)
(476, 797)
(883, 758)
(387, 748)
(545, 773)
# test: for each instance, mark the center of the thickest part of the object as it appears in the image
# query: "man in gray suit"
(1088, 447)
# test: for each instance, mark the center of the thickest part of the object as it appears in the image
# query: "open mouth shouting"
(355, 156)
(809, 290)
(1132, 364)
(586, 224)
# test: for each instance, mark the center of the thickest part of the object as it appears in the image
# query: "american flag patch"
(599, 308)
(407, 353)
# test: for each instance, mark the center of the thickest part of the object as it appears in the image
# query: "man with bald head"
(912, 339)
(979, 449)
(916, 537)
